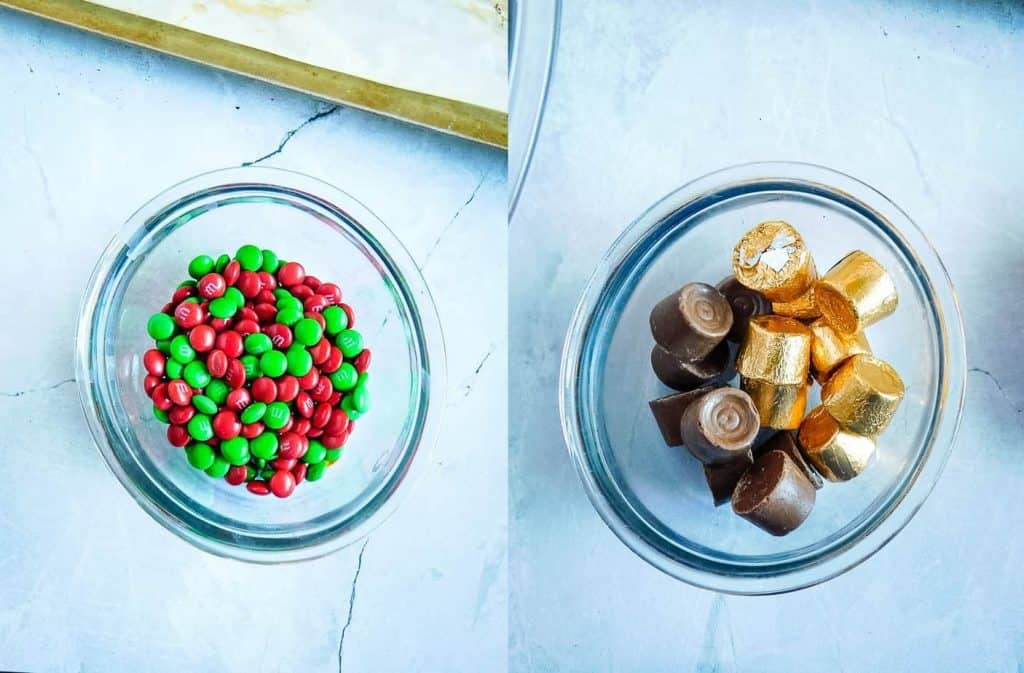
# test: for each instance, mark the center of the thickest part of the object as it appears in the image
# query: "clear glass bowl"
(337, 239)
(533, 31)
(653, 496)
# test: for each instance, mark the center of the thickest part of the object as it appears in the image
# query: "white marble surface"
(921, 100)
(90, 129)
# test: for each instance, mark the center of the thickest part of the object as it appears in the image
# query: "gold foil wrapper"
(804, 307)
(863, 395)
(829, 349)
(776, 349)
(855, 293)
(837, 454)
(779, 406)
(773, 259)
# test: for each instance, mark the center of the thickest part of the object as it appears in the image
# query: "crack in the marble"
(351, 605)
(906, 137)
(444, 231)
(999, 386)
(469, 386)
(290, 134)
(28, 391)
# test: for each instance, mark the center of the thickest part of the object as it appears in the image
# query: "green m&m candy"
(204, 404)
(196, 374)
(222, 262)
(270, 261)
(200, 456)
(219, 468)
(252, 366)
(160, 326)
(264, 446)
(332, 455)
(249, 257)
(315, 453)
(160, 414)
(235, 450)
(315, 471)
(335, 319)
(273, 363)
(299, 361)
(308, 332)
(350, 342)
(223, 307)
(200, 428)
(258, 343)
(217, 391)
(174, 369)
(345, 377)
(235, 295)
(181, 349)
(277, 415)
(252, 413)
(200, 266)
(361, 399)
(289, 315)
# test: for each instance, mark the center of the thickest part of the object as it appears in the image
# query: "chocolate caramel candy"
(681, 374)
(804, 307)
(720, 426)
(668, 412)
(776, 350)
(839, 455)
(783, 441)
(855, 293)
(746, 304)
(863, 395)
(773, 259)
(774, 494)
(779, 406)
(830, 348)
(722, 479)
(692, 321)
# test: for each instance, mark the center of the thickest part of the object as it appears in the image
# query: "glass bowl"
(533, 32)
(653, 496)
(337, 239)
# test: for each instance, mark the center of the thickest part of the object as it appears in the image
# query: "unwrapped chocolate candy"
(746, 304)
(681, 374)
(690, 323)
(668, 412)
(720, 426)
(774, 494)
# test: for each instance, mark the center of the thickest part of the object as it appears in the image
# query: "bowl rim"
(952, 381)
(370, 230)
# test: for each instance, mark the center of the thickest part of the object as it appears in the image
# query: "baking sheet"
(438, 63)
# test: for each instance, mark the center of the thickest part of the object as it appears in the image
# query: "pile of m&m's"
(257, 371)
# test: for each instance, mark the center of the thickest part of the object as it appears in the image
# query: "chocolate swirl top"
(691, 321)
(721, 426)
(702, 307)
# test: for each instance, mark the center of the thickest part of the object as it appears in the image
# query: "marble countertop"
(921, 100)
(89, 130)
